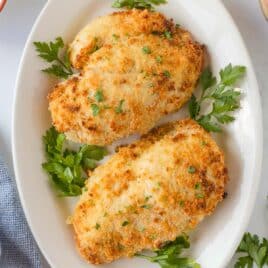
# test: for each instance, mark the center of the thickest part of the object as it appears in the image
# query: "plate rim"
(259, 134)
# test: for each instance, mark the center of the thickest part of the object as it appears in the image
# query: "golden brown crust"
(150, 192)
(151, 84)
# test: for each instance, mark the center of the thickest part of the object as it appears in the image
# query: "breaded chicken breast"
(149, 192)
(135, 67)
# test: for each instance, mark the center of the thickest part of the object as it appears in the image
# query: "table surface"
(15, 24)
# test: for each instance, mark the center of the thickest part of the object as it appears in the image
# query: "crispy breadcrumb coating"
(150, 192)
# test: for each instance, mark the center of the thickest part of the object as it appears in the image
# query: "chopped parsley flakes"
(119, 109)
(95, 109)
(159, 59)
(191, 169)
(166, 73)
(168, 35)
(125, 223)
(99, 95)
(146, 50)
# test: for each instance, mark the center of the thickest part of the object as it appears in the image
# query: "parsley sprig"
(169, 256)
(51, 52)
(254, 251)
(67, 168)
(222, 96)
(139, 4)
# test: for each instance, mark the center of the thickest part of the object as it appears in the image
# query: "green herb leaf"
(191, 169)
(168, 35)
(229, 75)
(167, 74)
(66, 168)
(206, 79)
(50, 52)
(147, 206)
(119, 109)
(194, 107)
(57, 70)
(99, 95)
(95, 109)
(222, 96)
(146, 50)
(254, 250)
(125, 223)
(197, 186)
(139, 4)
(209, 124)
(159, 59)
(115, 37)
(169, 255)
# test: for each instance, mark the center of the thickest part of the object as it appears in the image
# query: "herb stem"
(69, 70)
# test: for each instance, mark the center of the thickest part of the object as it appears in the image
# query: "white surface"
(248, 17)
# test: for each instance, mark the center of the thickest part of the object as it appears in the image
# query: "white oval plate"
(215, 240)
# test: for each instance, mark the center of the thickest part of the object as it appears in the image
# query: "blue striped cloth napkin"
(17, 246)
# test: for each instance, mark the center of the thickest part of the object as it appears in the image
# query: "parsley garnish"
(115, 37)
(95, 47)
(254, 251)
(146, 50)
(99, 95)
(168, 35)
(147, 206)
(166, 73)
(61, 66)
(125, 223)
(147, 198)
(119, 109)
(197, 186)
(139, 4)
(191, 169)
(97, 226)
(199, 195)
(67, 169)
(181, 203)
(169, 255)
(222, 96)
(95, 109)
(159, 59)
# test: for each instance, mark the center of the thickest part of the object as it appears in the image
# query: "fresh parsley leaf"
(169, 255)
(50, 52)
(66, 168)
(139, 4)
(207, 122)
(207, 79)
(95, 109)
(99, 95)
(194, 107)
(229, 75)
(57, 70)
(222, 97)
(254, 250)
(119, 109)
